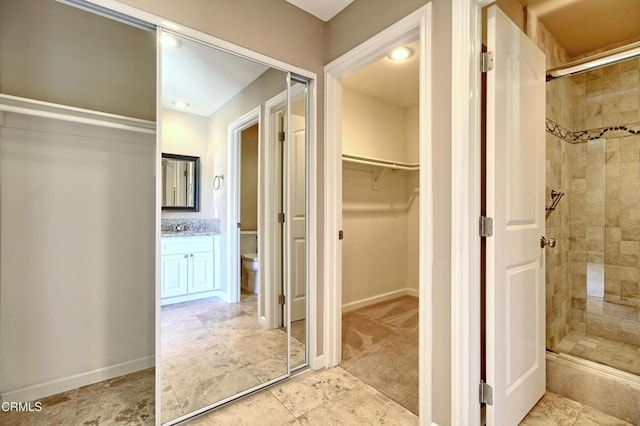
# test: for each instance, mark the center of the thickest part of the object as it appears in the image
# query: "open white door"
(296, 217)
(515, 200)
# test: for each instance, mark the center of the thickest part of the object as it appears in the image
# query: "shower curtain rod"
(596, 61)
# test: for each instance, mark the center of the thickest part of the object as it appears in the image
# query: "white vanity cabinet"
(188, 268)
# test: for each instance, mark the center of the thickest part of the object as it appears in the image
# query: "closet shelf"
(376, 162)
(385, 165)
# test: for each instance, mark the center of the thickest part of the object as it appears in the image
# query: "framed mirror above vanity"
(180, 182)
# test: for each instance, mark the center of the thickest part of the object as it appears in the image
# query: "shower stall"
(593, 273)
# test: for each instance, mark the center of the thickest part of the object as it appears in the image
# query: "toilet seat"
(250, 256)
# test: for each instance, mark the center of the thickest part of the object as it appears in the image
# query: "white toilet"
(250, 270)
(249, 261)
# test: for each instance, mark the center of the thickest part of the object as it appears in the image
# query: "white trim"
(417, 24)
(314, 360)
(201, 37)
(465, 210)
(190, 297)
(232, 261)
(75, 381)
(352, 306)
(158, 227)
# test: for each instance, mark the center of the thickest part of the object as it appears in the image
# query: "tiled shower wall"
(599, 218)
(559, 98)
(600, 156)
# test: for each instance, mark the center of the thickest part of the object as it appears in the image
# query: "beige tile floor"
(622, 356)
(212, 350)
(325, 397)
(554, 410)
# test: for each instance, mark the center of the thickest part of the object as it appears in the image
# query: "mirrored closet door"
(233, 274)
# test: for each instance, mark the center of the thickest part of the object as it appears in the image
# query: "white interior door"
(296, 216)
(515, 199)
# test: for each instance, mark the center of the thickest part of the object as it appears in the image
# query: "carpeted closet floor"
(380, 347)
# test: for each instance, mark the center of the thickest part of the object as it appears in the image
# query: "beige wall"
(380, 250)
(60, 54)
(249, 179)
(373, 128)
(363, 19)
(188, 134)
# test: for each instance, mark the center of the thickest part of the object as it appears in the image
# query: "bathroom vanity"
(190, 267)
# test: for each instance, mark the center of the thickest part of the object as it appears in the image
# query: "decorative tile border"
(586, 135)
(558, 131)
(613, 131)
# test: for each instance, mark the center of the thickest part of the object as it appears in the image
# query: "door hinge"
(486, 393)
(340, 235)
(281, 136)
(239, 226)
(486, 61)
(280, 217)
(281, 299)
(486, 226)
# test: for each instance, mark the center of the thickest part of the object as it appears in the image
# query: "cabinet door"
(201, 272)
(174, 275)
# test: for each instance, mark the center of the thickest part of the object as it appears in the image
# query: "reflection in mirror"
(223, 336)
(295, 176)
(180, 182)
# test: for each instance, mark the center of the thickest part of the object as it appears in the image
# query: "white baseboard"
(352, 306)
(42, 390)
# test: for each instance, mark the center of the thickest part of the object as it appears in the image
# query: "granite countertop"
(189, 227)
(172, 234)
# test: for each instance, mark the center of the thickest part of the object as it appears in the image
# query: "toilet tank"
(248, 242)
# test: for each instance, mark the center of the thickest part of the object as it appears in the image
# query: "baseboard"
(42, 390)
(352, 306)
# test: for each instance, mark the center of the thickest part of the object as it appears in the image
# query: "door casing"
(414, 26)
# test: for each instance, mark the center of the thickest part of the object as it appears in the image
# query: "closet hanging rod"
(370, 161)
(65, 113)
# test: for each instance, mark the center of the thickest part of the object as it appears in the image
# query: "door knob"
(551, 242)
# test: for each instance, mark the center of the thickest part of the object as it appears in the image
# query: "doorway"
(413, 28)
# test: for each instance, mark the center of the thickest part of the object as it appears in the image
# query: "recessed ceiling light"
(181, 104)
(400, 53)
(169, 40)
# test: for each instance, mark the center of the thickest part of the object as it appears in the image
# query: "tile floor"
(212, 350)
(554, 410)
(622, 356)
(126, 400)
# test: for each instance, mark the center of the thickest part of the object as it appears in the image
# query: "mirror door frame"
(161, 23)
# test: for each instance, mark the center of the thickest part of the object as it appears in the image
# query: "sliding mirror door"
(295, 204)
(223, 318)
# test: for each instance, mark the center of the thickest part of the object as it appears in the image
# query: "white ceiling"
(204, 77)
(322, 9)
(397, 83)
